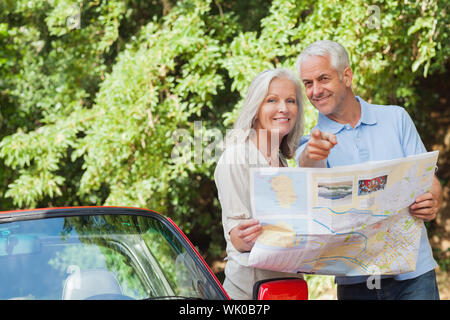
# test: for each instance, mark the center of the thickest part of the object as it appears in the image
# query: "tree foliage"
(91, 92)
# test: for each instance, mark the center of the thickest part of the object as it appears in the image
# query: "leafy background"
(91, 93)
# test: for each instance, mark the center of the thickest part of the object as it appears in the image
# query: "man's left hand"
(425, 207)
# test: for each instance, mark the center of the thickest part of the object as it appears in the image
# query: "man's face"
(323, 87)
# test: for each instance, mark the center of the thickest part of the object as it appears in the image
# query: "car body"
(90, 253)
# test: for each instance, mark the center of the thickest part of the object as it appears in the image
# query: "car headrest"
(81, 285)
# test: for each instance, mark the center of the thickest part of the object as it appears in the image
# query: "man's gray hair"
(326, 48)
(257, 92)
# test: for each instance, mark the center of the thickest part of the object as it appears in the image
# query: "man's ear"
(347, 77)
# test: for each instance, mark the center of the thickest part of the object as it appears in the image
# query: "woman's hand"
(244, 235)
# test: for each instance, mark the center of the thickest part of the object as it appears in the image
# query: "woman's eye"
(271, 100)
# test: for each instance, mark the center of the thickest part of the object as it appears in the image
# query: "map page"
(349, 220)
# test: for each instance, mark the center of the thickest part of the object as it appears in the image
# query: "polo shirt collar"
(367, 117)
(367, 114)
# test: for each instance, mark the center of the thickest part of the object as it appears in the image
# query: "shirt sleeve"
(411, 142)
(232, 181)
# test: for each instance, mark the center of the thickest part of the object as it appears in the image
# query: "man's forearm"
(306, 162)
(436, 190)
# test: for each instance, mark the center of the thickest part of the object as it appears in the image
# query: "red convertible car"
(91, 253)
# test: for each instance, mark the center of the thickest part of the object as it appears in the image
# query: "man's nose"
(317, 89)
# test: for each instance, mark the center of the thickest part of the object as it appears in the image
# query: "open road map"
(349, 220)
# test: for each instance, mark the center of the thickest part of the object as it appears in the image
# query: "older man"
(351, 131)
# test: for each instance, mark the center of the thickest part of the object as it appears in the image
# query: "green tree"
(92, 92)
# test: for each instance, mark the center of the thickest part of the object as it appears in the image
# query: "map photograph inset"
(367, 186)
(334, 193)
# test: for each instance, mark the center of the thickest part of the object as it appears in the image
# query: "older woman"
(265, 133)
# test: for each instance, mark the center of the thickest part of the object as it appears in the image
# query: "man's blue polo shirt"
(382, 133)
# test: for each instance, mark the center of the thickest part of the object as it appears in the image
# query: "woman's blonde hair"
(257, 92)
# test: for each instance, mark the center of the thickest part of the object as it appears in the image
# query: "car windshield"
(98, 257)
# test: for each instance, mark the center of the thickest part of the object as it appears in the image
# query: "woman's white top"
(232, 177)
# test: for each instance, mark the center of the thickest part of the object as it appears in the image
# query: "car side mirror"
(281, 289)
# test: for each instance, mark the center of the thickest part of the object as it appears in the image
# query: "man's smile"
(322, 98)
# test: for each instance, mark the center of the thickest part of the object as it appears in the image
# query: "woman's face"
(278, 112)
